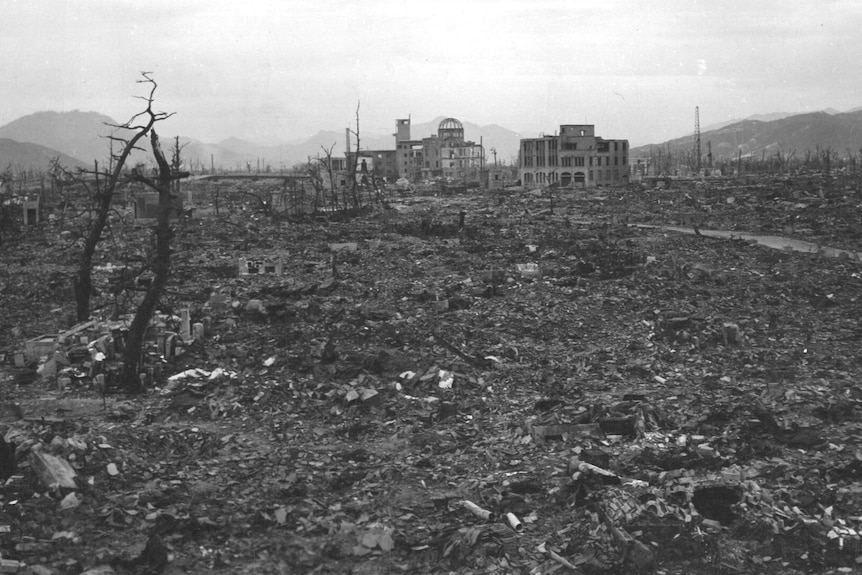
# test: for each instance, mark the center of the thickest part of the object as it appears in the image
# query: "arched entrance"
(580, 179)
(565, 179)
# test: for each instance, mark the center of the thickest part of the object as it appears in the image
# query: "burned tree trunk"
(161, 267)
(104, 195)
(355, 184)
(83, 281)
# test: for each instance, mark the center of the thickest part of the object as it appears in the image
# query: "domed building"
(450, 129)
(444, 156)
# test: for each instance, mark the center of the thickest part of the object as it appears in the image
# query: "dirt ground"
(547, 389)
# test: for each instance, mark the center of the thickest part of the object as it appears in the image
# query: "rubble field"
(504, 382)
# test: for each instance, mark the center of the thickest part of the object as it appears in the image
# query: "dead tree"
(314, 172)
(330, 171)
(326, 168)
(177, 163)
(321, 176)
(6, 218)
(103, 194)
(355, 165)
(161, 263)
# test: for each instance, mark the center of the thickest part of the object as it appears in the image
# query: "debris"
(70, 501)
(514, 522)
(53, 471)
(12, 566)
(346, 247)
(577, 467)
(579, 560)
(530, 270)
(468, 358)
(636, 554)
(616, 380)
(483, 514)
(378, 536)
(541, 433)
(731, 334)
(446, 379)
(153, 558)
(41, 346)
(260, 267)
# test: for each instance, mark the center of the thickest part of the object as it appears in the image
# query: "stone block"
(347, 247)
(252, 267)
(41, 346)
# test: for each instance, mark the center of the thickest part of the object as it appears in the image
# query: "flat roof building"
(574, 158)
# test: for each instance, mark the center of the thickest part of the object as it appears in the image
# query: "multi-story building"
(445, 155)
(380, 163)
(408, 153)
(376, 163)
(576, 157)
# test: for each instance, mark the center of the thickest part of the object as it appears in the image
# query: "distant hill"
(27, 156)
(235, 152)
(760, 117)
(83, 136)
(797, 133)
(767, 118)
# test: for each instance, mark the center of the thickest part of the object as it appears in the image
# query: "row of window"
(532, 145)
(470, 174)
(607, 175)
(571, 161)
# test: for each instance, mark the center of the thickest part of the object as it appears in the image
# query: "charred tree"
(357, 201)
(321, 174)
(330, 171)
(6, 219)
(103, 195)
(161, 262)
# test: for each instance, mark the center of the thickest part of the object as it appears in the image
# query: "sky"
(284, 70)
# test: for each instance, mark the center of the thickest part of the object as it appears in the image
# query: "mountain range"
(15, 155)
(788, 134)
(79, 138)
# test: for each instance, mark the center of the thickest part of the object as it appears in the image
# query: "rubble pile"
(496, 382)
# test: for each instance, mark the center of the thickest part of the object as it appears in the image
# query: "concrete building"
(379, 163)
(498, 177)
(408, 153)
(574, 158)
(445, 155)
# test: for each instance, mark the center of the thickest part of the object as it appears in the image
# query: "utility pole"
(697, 137)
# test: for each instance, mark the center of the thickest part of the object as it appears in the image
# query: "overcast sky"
(286, 69)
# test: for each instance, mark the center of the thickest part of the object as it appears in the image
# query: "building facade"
(379, 163)
(445, 155)
(498, 177)
(575, 158)
(408, 153)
